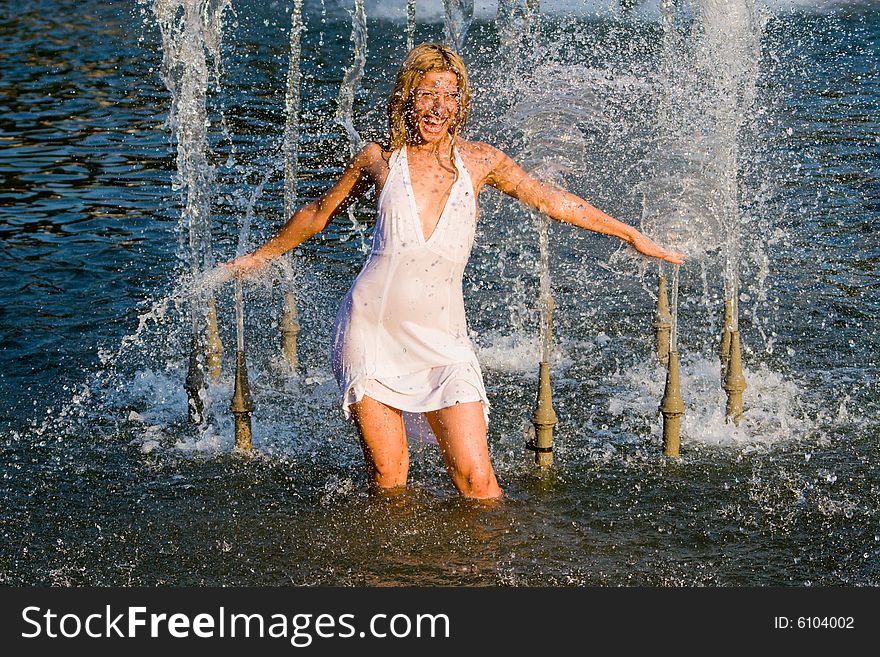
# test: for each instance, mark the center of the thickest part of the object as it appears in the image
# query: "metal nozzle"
(213, 345)
(724, 349)
(544, 419)
(289, 330)
(734, 380)
(662, 322)
(195, 380)
(242, 405)
(672, 408)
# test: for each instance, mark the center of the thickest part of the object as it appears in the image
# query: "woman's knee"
(388, 470)
(476, 481)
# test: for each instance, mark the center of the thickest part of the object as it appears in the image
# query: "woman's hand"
(646, 247)
(246, 265)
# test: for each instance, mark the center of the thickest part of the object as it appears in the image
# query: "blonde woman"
(400, 339)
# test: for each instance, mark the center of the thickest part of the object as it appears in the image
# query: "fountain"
(707, 77)
(544, 418)
(107, 480)
(190, 36)
(672, 404)
(519, 26)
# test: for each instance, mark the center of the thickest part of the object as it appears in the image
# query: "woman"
(400, 340)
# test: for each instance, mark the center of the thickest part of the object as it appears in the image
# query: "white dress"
(400, 336)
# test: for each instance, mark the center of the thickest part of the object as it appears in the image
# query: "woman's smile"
(434, 104)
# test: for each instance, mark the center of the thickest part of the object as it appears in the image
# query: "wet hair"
(421, 59)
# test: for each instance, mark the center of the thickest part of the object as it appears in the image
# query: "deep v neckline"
(411, 192)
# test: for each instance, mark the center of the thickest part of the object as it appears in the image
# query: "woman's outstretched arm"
(314, 217)
(507, 176)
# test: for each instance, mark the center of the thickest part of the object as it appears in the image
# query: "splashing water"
(292, 107)
(345, 100)
(191, 32)
(458, 15)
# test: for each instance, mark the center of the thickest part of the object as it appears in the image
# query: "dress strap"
(395, 157)
(463, 172)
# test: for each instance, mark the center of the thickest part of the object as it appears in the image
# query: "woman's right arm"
(314, 217)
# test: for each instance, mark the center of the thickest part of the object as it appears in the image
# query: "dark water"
(105, 482)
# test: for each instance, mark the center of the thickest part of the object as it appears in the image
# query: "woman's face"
(434, 105)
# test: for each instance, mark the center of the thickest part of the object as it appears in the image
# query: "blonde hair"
(421, 59)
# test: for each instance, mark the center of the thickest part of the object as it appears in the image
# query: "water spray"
(289, 324)
(458, 15)
(191, 57)
(345, 99)
(544, 417)
(242, 404)
(672, 404)
(410, 24)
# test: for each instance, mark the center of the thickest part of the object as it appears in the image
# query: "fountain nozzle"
(213, 346)
(242, 405)
(289, 330)
(724, 350)
(734, 380)
(672, 408)
(662, 322)
(544, 419)
(195, 380)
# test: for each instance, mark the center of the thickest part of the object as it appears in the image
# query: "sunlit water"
(104, 481)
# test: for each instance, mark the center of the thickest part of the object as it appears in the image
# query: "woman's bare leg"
(383, 439)
(461, 433)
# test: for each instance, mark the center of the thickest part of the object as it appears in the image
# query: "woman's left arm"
(508, 177)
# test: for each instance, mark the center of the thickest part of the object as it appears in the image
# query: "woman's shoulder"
(373, 158)
(373, 151)
(477, 149)
(479, 156)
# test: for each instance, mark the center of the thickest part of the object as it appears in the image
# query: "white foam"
(509, 353)
(773, 410)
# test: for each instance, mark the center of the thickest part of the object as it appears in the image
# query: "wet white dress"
(401, 336)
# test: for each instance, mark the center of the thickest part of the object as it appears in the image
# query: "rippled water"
(105, 482)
